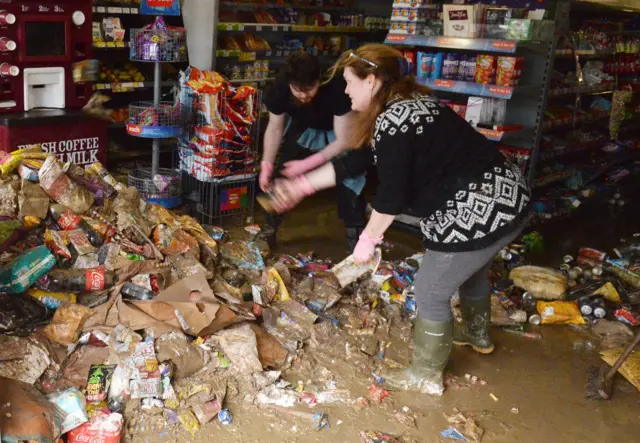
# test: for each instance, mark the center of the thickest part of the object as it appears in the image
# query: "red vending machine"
(39, 43)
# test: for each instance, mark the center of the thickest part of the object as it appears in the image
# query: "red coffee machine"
(39, 43)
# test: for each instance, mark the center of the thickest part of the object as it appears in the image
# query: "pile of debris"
(595, 291)
(119, 317)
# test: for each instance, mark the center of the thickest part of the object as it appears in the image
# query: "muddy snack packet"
(99, 382)
(80, 242)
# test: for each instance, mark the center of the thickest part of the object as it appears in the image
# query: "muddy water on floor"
(542, 379)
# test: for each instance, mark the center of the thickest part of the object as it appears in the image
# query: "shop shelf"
(468, 88)
(585, 89)
(265, 5)
(115, 10)
(261, 27)
(128, 86)
(471, 44)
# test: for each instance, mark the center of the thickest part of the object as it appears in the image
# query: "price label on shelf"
(114, 10)
(120, 44)
(101, 86)
(258, 28)
(330, 28)
(100, 45)
(396, 38)
(138, 84)
(504, 45)
(267, 54)
(491, 134)
(101, 9)
(278, 53)
(247, 56)
(286, 53)
(111, 44)
(285, 28)
(126, 10)
(315, 28)
(443, 84)
(134, 10)
(503, 91)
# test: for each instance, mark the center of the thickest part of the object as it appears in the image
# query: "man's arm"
(273, 137)
(342, 125)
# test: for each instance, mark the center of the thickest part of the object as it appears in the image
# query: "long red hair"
(389, 70)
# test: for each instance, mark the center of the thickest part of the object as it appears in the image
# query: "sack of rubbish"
(348, 271)
(26, 415)
(542, 283)
(18, 311)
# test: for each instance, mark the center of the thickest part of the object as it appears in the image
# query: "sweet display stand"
(157, 120)
(217, 152)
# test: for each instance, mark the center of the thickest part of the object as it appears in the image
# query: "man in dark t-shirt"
(311, 120)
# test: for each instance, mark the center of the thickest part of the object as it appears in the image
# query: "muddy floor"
(534, 389)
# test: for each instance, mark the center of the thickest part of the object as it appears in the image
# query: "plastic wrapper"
(206, 412)
(242, 254)
(73, 404)
(99, 382)
(28, 169)
(239, 345)
(173, 241)
(148, 382)
(348, 271)
(87, 261)
(378, 437)
(103, 428)
(9, 196)
(176, 348)
(10, 161)
(52, 300)
(189, 421)
(33, 201)
(57, 243)
(23, 271)
(560, 312)
(102, 172)
(89, 179)
(157, 215)
(208, 245)
(67, 324)
(78, 239)
(61, 189)
(187, 264)
(108, 255)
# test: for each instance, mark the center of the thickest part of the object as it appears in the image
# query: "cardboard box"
(462, 20)
(406, 28)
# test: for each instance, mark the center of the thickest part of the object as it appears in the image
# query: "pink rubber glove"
(288, 193)
(365, 248)
(298, 167)
(266, 173)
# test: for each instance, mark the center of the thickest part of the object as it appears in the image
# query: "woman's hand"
(298, 167)
(365, 248)
(287, 194)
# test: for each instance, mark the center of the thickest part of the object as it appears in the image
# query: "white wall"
(199, 18)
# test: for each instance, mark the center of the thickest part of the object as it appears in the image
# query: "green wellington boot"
(474, 332)
(431, 349)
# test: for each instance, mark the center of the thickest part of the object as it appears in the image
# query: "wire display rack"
(165, 188)
(146, 119)
(218, 153)
(157, 43)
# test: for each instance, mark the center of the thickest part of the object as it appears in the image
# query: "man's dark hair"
(303, 70)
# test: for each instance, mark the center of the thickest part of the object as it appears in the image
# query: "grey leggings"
(443, 273)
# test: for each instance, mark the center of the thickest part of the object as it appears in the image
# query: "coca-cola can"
(7, 70)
